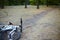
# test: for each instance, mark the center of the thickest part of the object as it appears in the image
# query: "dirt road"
(41, 24)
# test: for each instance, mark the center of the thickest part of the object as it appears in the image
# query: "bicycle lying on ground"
(10, 31)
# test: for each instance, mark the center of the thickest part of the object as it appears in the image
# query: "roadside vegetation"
(28, 2)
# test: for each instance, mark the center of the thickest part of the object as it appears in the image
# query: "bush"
(33, 2)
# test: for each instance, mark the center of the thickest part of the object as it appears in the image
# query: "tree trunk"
(26, 3)
(37, 4)
(1, 4)
(47, 3)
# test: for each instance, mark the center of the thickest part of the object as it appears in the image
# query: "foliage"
(32, 2)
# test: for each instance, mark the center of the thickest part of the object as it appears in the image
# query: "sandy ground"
(38, 24)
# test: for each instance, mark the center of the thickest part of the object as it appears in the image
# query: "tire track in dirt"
(32, 21)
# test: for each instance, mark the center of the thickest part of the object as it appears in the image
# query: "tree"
(2, 4)
(37, 4)
(26, 3)
(47, 3)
